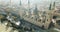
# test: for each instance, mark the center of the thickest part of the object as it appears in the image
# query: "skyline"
(41, 4)
(26, 1)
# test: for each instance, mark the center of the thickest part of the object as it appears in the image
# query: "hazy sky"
(25, 1)
(41, 3)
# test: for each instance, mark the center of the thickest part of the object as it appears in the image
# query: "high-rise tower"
(36, 10)
(20, 3)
